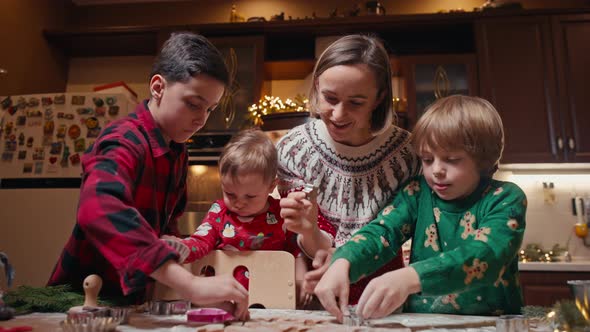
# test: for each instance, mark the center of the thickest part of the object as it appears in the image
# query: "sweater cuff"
(135, 274)
(431, 275)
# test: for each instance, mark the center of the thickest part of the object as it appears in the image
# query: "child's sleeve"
(107, 214)
(205, 238)
(172, 227)
(378, 242)
(486, 252)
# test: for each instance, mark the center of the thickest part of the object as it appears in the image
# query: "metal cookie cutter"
(176, 307)
(512, 323)
(308, 190)
(352, 319)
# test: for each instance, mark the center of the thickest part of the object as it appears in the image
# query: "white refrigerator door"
(45, 135)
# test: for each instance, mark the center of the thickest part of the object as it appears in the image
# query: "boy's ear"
(273, 185)
(157, 85)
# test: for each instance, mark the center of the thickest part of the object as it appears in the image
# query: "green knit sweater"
(464, 251)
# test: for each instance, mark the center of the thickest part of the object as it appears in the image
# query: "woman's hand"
(320, 264)
(333, 289)
(300, 213)
(388, 292)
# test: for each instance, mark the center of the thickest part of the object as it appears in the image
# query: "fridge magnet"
(39, 153)
(47, 140)
(38, 167)
(21, 139)
(65, 156)
(21, 120)
(22, 155)
(30, 141)
(59, 99)
(80, 145)
(60, 115)
(6, 102)
(48, 128)
(98, 102)
(75, 159)
(61, 131)
(46, 101)
(34, 122)
(93, 133)
(100, 111)
(113, 110)
(69, 116)
(78, 100)
(28, 168)
(34, 113)
(111, 101)
(85, 111)
(12, 110)
(52, 166)
(48, 114)
(7, 156)
(33, 102)
(21, 103)
(55, 148)
(8, 128)
(10, 145)
(74, 131)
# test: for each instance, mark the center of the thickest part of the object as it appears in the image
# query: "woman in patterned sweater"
(466, 228)
(353, 155)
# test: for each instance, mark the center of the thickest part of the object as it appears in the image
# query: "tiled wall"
(551, 223)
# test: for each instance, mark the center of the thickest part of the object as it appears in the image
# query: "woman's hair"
(185, 55)
(359, 49)
(465, 123)
(249, 152)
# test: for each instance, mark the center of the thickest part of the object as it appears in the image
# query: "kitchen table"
(277, 320)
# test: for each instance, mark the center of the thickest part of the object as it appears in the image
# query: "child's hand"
(212, 290)
(333, 288)
(300, 213)
(388, 292)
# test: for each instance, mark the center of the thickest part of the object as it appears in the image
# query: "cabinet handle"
(559, 143)
(571, 144)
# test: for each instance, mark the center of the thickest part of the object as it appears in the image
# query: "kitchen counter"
(574, 266)
(276, 320)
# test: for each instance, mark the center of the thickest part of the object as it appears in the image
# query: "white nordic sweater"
(354, 182)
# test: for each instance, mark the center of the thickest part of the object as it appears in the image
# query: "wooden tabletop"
(275, 320)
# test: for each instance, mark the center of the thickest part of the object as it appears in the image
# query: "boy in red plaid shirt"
(134, 185)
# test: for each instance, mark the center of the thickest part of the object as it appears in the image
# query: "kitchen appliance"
(43, 136)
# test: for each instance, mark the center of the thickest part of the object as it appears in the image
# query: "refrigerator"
(42, 140)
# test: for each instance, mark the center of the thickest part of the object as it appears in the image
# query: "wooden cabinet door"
(571, 36)
(544, 288)
(516, 71)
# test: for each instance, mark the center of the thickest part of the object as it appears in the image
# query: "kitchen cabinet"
(571, 35)
(429, 77)
(533, 69)
(544, 288)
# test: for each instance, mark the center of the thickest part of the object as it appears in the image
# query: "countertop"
(574, 266)
(276, 320)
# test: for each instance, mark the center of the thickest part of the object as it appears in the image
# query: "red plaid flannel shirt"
(133, 190)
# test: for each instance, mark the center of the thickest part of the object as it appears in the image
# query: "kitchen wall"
(33, 65)
(551, 223)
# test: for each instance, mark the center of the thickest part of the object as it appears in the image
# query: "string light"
(270, 104)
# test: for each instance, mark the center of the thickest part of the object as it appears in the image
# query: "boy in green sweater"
(466, 228)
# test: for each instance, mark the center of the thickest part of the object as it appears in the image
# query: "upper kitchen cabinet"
(533, 69)
(571, 35)
(517, 75)
(429, 77)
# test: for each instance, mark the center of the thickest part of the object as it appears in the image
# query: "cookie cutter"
(352, 319)
(120, 314)
(89, 323)
(208, 315)
(512, 323)
(176, 307)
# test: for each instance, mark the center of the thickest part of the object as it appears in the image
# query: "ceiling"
(114, 2)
